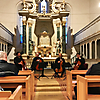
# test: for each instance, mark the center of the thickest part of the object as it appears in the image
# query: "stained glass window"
(66, 25)
(21, 30)
(43, 6)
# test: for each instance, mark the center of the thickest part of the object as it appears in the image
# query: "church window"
(66, 26)
(43, 6)
(21, 30)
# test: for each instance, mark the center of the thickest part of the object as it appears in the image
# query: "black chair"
(68, 66)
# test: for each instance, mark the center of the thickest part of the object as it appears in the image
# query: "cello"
(39, 61)
(77, 65)
(61, 69)
(23, 63)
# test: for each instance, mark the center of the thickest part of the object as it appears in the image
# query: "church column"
(30, 38)
(90, 50)
(83, 50)
(63, 37)
(61, 34)
(86, 50)
(27, 39)
(58, 30)
(24, 34)
(1, 46)
(95, 49)
(80, 50)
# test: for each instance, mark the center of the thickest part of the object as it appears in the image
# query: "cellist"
(61, 62)
(79, 62)
(38, 60)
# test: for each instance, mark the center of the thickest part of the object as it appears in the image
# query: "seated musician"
(60, 61)
(79, 62)
(37, 59)
(19, 61)
(6, 68)
(93, 70)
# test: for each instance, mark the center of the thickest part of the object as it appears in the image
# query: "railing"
(5, 34)
(90, 30)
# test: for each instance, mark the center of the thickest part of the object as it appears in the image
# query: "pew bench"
(27, 73)
(15, 81)
(71, 83)
(82, 87)
(17, 94)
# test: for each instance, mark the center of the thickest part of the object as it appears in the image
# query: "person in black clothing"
(19, 61)
(81, 60)
(35, 62)
(6, 68)
(57, 62)
(93, 70)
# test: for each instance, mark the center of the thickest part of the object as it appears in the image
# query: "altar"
(44, 47)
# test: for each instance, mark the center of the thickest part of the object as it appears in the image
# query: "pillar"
(30, 38)
(95, 49)
(80, 50)
(1, 46)
(90, 50)
(86, 50)
(83, 51)
(27, 39)
(24, 35)
(63, 37)
(58, 30)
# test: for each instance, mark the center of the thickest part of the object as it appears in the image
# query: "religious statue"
(31, 46)
(58, 46)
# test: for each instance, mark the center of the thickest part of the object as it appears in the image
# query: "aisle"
(49, 89)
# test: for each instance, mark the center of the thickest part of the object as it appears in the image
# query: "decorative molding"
(58, 24)
(94, 34)
(8, 32)
(30, 24)
(88, 26)
(5, 29)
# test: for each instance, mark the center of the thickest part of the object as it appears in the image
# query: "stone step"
(50, 95)
(53, 88)
(46, 93)
(49, 85)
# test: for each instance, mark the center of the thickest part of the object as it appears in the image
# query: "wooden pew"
(27, 73)
(82, 87)
(79, 72)
(71, 83)
(17, 94)
(14, 81)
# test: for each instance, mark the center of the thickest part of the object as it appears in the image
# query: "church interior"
(49, 28)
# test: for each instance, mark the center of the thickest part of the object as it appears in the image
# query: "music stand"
(42, 65)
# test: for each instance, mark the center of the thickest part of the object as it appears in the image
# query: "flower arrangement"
(39, 53)
(49, 53)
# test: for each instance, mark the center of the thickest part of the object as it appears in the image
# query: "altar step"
(50, 88)
(51, 95)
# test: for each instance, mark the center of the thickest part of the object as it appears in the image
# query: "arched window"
(43, 6)
(21, 30)
(66, 27)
